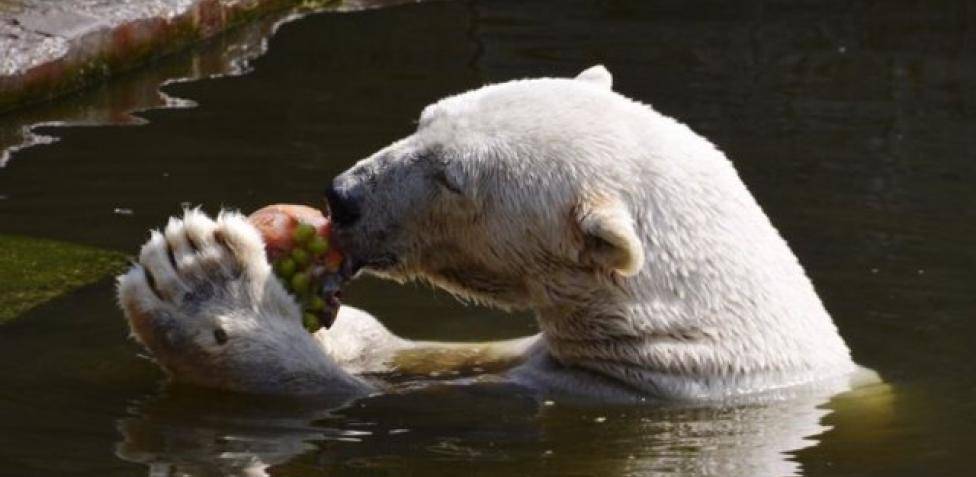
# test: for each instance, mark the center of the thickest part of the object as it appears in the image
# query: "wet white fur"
(652, 270)
(223, 281)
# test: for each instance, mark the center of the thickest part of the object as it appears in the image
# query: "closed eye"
(442, 179)
(434, 162)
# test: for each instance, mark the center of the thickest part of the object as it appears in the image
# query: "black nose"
(343, 205)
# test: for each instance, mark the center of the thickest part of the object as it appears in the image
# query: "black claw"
(219, 238)
(193, 245)
(170, 255)
(151, 281)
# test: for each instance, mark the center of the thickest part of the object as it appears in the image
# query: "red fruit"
(303, 269)
(277, 224)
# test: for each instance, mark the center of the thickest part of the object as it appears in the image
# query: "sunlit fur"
(199, 276)
(644, 256)
(652, 270)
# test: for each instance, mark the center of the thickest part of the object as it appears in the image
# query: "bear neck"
(721, 301)
(665, 334)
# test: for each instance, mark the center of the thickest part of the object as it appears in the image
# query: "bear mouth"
(354, 264)
(358, 254)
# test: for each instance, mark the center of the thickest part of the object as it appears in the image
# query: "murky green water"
(854, 123)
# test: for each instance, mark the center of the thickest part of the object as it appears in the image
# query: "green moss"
(33, 271)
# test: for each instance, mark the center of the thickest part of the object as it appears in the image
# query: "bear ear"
(610, 240)
(596, 75)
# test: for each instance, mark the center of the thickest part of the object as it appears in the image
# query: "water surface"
(853, 123)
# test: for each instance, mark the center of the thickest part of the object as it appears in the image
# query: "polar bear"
(652, 271)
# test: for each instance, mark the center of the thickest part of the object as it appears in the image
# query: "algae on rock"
(33, 271)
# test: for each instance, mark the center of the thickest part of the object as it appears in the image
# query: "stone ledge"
(50, 48)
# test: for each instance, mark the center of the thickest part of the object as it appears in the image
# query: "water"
(853, 123)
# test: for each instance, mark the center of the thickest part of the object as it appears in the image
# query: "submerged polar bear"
(651, 269)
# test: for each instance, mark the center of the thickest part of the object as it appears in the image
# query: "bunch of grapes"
(298, 247)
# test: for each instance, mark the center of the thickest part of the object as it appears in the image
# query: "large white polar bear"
(651, 269)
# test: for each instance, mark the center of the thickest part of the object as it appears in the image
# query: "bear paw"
(203, 301)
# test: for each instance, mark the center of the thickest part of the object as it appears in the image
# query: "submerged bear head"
(511, 194)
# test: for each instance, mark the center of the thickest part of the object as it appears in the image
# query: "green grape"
(299, 283)
(285, 267)
(300, 257)
(316, 303)
(311, 322)
(303, 233)
(318, 245)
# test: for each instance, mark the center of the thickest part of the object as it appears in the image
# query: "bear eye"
(220, 336)
(442, 179)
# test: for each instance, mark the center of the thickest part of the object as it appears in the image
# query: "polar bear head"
(511, 194)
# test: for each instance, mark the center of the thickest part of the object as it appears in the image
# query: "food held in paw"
(298, 245)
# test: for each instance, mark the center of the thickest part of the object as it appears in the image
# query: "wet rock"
(51, 48)
(33, 271)
(26, 54)
(67, 24)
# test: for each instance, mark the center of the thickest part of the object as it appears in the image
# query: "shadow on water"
(851, 122)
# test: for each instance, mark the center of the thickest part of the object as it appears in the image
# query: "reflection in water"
(115, 102)
(194, 432)
(119, 100)
(211, 434)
